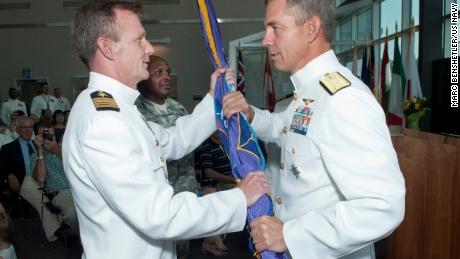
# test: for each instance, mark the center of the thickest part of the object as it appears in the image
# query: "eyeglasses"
(159, 72)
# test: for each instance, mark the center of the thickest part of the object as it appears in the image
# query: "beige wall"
(48, 53)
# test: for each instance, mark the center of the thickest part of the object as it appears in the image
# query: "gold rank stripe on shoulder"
(104, 101)
(333, 82)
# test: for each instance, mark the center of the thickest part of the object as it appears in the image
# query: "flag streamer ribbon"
(236, 134)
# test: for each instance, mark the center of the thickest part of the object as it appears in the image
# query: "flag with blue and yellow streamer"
(236, 134)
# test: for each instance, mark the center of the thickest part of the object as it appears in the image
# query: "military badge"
(104, 101)
(333, 82)
(301, 120)
(307, 101)
(295, 170)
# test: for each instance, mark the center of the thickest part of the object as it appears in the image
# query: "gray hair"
(21, 120)
(97, 19)
(324, 9)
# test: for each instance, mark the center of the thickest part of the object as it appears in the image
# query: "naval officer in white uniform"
(43, 101)
(339, 187)
(11, 106)
(116, 161)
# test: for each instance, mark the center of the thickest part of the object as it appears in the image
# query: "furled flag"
(354, 66)
(365, 72)
(269, 90)
(236, 134)
(397, 90)
(371, 68)
(385, 77)
(413, 82)
(240, 84)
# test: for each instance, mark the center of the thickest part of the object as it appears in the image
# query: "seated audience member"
(215, 164)
(6, 235)
(50, 171)
(66, 115)
(156, 106)
(12, 107)
(217, 175)
(6, 136)
(47, 115)
(11, 130)
(18, 160)
(59, 125)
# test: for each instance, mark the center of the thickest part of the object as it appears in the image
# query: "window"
(446, 26)
(415, 11)
(390, 14)
(447, 6)
(345, 34)
(365, 26)
(339, 2)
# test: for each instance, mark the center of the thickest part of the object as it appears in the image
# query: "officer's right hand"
(230, 78)
(254, 185)
(235, 102)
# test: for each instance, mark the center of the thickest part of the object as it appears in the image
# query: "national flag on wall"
(269, 90)
(385, 77)
(240, 84)
(354, 67)
(413, 81)
(371, 68)
(365, 72)
(397, 90)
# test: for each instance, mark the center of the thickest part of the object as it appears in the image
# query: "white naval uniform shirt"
(62, 104)
(43, 102)
(339, 187)
(10, 106)
(117, 170)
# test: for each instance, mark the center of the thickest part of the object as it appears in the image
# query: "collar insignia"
(333, 82)
(104, 101)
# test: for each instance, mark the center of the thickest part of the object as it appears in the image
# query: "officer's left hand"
(267, 234)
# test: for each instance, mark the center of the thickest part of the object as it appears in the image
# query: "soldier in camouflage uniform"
(156, 106)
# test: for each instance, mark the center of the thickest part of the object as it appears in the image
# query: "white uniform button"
(285, 130)
(293, 151)
(162, 159)
(157, 142)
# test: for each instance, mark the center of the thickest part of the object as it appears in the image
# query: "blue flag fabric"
(236, 134)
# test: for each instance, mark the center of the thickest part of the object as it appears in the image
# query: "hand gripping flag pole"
(237, 136)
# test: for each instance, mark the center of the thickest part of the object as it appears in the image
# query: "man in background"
(156, 106)
(11, 107)
(18, 161)
(62, 103)
(43, 101)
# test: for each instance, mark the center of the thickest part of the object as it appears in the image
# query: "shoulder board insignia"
(104, 101)
(333, 82)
